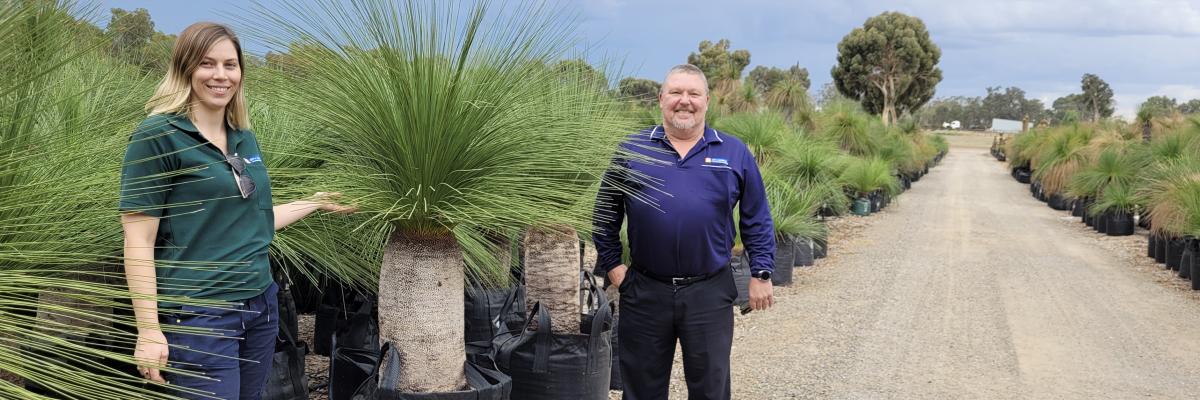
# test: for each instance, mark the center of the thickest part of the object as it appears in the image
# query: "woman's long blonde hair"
(174, 94)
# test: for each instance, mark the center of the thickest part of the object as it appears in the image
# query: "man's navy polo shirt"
(680, 211)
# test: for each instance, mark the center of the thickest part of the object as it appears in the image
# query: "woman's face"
(218, 78)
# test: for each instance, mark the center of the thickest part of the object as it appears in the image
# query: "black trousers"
(655, 314)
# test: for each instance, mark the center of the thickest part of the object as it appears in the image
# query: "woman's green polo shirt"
(211, 242)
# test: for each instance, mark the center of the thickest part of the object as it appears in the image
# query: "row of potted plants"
(1115, 180)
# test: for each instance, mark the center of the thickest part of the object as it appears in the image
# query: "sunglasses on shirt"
(245, 183)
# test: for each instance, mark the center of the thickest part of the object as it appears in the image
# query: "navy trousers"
(654, 315)
(234, 363)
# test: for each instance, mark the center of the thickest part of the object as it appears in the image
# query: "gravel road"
(968, 288)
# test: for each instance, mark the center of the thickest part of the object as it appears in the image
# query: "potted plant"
(447, 138)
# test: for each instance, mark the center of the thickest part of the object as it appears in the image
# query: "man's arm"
(607, 218)
(758, 232)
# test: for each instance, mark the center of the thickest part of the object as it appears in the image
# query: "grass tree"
(847, 125)
(863, 176)
(66, 110)
(1061, 157)
(445, 126)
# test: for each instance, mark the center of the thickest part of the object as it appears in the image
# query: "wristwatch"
(761, 274)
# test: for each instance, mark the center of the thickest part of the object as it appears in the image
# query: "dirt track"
(968, 288)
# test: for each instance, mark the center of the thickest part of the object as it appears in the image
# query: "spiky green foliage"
(899, 151)
(814, 164)
(763, 133)
(1170, 193)
(793, 211)
(1113, 166)
(291, 148)
(1020, 149)
(866, 175)
(445, 119)
(847, 125)
(1117, 197)
(66, 111)
(1062, 156)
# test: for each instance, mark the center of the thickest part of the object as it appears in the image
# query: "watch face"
(764, 275)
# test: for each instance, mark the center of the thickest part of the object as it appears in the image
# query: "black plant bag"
(1194, 246)
(1187, 258)
(287, 380)
(785, 254)
(1119, 224)
(820, 248)
(490, 312)
(1160, 249)
(334, 313)
(803, 254)
(1174, 253)
(548, 366)
(355, 351)
(484, 381)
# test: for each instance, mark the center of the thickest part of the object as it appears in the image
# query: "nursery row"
(1118, 178)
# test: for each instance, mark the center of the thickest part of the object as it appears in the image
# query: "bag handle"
(603, 315)
(542, 339)
(496, 321)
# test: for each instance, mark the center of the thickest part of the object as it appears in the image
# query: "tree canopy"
(718, 62)
(1157, 106)
(765, 78)
(889, 65)
(1097, 97)
(644, 91)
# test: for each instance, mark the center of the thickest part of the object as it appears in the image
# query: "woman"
(198, 219)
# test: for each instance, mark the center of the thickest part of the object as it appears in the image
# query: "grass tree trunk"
(589, 256)
(421, 289)
(552, 275)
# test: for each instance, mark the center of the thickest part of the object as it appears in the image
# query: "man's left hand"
(762, 294)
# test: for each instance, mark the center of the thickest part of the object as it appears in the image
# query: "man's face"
(684, 100)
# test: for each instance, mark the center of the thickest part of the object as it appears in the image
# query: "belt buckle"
(678, 281)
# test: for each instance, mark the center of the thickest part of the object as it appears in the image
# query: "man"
(677, 185)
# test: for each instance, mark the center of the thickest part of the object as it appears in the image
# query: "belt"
(678, 280)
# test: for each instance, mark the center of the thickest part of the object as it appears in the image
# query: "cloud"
(1088, 17)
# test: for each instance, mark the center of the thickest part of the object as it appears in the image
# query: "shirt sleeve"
(607, 219)
(755, 225)
(145, 171)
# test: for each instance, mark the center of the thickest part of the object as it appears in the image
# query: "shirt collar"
(710, 135)
(183, 123)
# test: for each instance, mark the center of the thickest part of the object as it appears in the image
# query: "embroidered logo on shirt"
(714, 160)
(253, 159)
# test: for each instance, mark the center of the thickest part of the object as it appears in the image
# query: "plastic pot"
(1160, 249)
(861, 207)
(1174, 253)
(1119, 224)
(1101, 223)
(1187, 260)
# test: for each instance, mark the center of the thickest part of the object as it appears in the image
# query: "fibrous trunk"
(552, 275)
(421, 289)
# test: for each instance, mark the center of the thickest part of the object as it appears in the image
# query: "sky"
(1141, 48)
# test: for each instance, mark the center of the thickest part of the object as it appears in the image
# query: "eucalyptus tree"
(442, 122)
(1097, 97)
(889, 65)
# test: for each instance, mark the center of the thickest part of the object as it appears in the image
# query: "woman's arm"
(287, 214)
(140, 231)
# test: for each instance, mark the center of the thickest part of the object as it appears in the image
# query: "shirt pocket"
(719, 186)
(262, 184)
